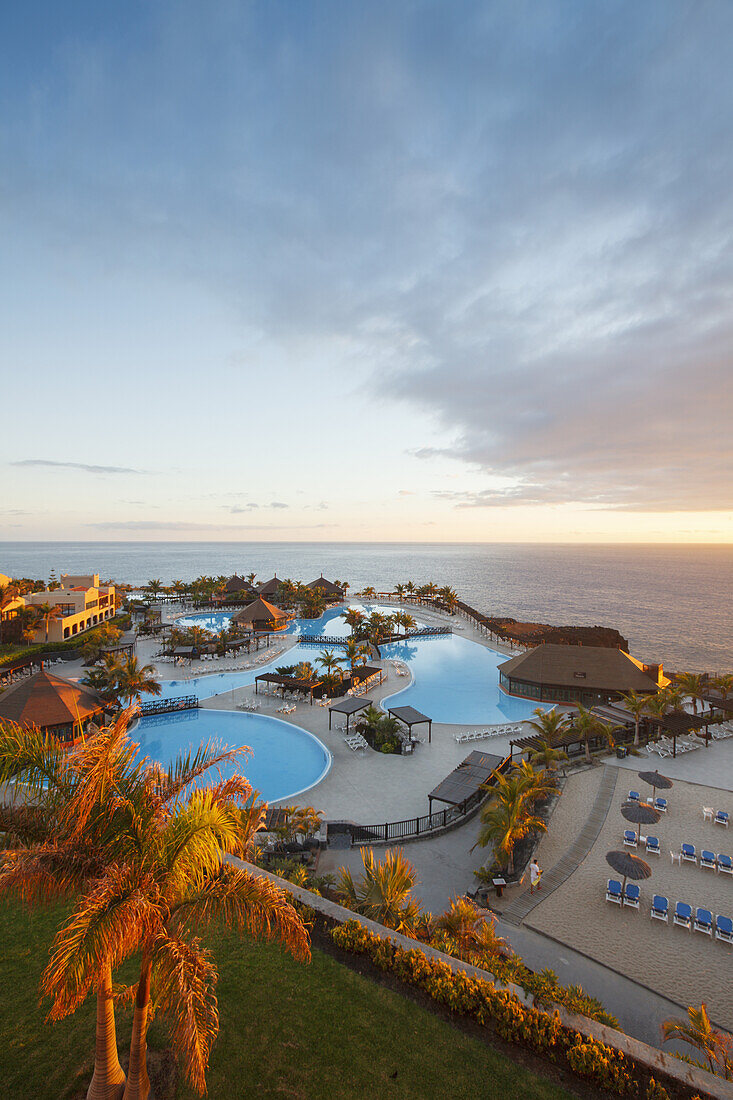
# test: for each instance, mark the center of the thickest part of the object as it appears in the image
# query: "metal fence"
(164, 706)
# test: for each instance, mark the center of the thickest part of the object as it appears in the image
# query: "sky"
(369, 271)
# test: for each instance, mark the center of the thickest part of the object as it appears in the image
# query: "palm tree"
(636, 704)
(550, 725)
(383, 892)
(547, 756)
(357, 653)
(694, 685)
(504, 823)
(46, 612)
(133, 680)
(399, 590)
(369, 593)
(159, 878)
(327, 659)
(699, 1033)
(464, 932)
(588, 726)
(154, 587)
(8, 593)
(723, 684)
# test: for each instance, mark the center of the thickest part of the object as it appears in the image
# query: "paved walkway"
(524, 903)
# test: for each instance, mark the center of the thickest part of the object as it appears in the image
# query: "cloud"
(14, 512)
(235, 508)
(86, 467)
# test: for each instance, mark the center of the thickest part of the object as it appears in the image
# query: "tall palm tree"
(46, 612)
(383, 892)
(504, 823)
(636, 704)
(357, 653)
(698, 1032)
(159, 878)
(327, 659)
(723, 684)
(694, 685)
(588, 726)
(8, 593)
(353, 617)
(550, 725)
(133, 680)
(154, 587)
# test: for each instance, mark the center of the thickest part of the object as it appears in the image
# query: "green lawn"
(319, 1031)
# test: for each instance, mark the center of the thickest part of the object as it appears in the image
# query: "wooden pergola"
(287, 683)
(411, 717)
(466, 781)
(348, 706)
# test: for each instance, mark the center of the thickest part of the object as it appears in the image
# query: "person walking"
(535, 874)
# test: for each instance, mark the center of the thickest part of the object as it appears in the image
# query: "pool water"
(285, 760)
(455, 680)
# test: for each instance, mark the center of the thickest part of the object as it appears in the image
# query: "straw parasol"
(640, 814)
(654, 779)
(623, 863)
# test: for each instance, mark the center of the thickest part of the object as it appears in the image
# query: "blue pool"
(455, 680)
(285, 761)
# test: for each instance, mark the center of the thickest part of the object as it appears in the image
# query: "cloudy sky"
(394, 271)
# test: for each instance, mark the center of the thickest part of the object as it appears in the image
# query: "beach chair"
(688, 853)
(707, 813)
(632, 895)
(634, 796)
(724, 929)
(682, 915)
(660, 805)
(707, 860)
(629, 838)
(652, 846)
(722, 817)
(660, 908)
(613, 891)
(725, 864)
(704, 921)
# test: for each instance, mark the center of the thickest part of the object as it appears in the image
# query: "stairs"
(522, 906)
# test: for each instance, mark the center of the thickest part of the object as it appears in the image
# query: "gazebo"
(411, 717)
(261, 615)
(348, 706)
(53, 705)
(269, 588)
(287, 683)
(466, 782)
(326, 588)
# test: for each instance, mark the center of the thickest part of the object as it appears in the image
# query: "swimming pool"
(455, 680)
(286, 760)
(330, 623)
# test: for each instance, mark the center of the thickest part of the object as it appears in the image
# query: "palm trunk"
(108, 1080)
(138, 1085)
(587, 752)
(636, 732)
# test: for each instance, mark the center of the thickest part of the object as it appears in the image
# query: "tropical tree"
(588, 726)
(504, 823)
(327, 659)
(353, 617)
(8, 592)
(46, 612)
(383, 892)
(698, 1032)
(467, 934)
(550, 725)
(723, 684)
(133, 680)
(154, 587)
(369, 593)
(381, 730)
(357, 653)
(547, 756)
(303, 671)
(179, 587)
(694, 685)
(636, 705)
(399, 590)
(158, 879)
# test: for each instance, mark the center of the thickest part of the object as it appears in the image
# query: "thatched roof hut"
(326, 588)
(269, 588)
(59, 706)
(261, 615)
(237, 584)
(571, 674)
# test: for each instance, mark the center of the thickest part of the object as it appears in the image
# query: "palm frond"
(186, 768)
(184, 978)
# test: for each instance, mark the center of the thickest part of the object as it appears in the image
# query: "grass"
(320, 1031)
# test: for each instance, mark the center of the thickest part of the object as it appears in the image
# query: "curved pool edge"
(280, 721)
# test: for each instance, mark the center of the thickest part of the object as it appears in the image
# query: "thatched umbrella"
(654, 779)
(638, 813)
(623, 863)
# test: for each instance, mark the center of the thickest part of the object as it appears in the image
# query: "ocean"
(673, 603)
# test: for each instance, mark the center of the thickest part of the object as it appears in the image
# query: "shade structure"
(623, 863)
(654, 779)
(260, 613)
(48, 701)
(349, 706)
(640, 814)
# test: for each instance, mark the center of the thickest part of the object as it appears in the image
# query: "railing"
(165, 706)
(321, 640)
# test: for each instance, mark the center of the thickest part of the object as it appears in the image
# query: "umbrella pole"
(623, 888)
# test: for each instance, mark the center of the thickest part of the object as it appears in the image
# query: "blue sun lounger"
(613, 891)
(634, 796)
(722, 817)
(660, 804)
(725, 864)
(704, 921)
(687, 851)
(629, 838)
(707, 860)
(660, 908)
(652, 846)
(682, 915)
(632, 895)
(724, 929)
